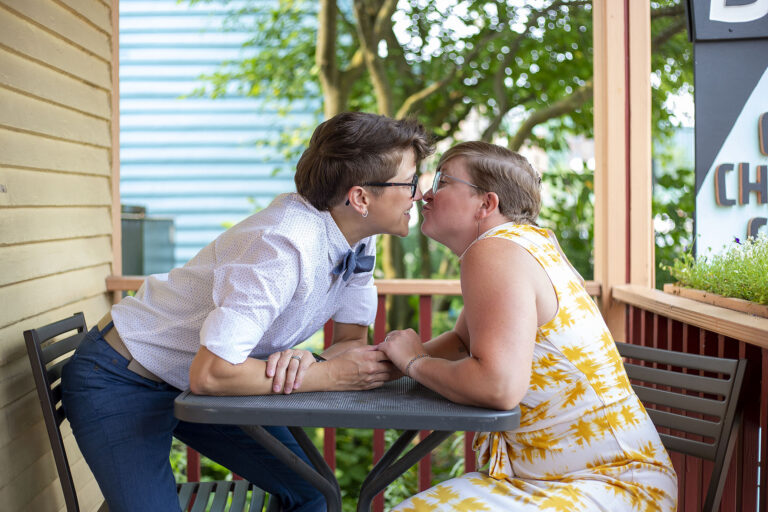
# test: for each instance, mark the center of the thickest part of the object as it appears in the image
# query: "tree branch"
(563, 106)
(369, 46)
(413, 101)
(325, 57)
(667, 34)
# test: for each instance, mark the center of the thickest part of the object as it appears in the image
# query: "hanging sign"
(730, 45)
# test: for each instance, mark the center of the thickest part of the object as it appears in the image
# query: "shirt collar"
(337, 242)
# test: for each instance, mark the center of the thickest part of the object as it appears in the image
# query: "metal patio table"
(402, 404)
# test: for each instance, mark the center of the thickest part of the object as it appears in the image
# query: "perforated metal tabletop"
(403, 404)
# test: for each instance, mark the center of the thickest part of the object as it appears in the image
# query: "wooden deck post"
(117, 251)
(624, 241)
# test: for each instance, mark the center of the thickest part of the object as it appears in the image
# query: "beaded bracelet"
(408, 366)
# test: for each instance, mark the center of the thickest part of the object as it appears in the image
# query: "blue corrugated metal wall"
(192, 159)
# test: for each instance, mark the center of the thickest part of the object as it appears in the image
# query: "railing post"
(329, 434)
(379, 332)
(425, 329)
(193, 465)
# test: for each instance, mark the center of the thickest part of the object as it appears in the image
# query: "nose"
(427, 196)
(418, 196)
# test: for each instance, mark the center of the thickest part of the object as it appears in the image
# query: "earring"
(365, 213)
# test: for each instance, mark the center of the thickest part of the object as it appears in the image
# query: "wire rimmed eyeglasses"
(436, 183)
(414, 183)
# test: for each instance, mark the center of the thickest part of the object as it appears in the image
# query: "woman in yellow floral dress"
(529, 335)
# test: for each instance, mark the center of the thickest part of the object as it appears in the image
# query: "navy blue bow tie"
(353, 262)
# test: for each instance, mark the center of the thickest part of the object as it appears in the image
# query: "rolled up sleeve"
(249, 294)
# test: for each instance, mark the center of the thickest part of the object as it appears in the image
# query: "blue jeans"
(123, 424)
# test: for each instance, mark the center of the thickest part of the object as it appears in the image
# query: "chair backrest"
(694, 400)
(47, 358)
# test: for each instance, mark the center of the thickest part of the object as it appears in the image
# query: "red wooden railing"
(666, 321)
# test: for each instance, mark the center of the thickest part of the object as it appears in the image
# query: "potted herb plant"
(736, 279)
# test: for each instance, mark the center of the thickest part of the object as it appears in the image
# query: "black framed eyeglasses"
(414, 183)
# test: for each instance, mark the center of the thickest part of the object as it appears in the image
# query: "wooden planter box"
(742, 305)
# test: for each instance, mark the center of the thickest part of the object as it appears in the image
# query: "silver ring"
(298, 358)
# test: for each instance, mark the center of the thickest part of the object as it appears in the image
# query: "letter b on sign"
(738, 11)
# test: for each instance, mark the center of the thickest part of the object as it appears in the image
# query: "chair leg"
(274, 504)
(712, 503)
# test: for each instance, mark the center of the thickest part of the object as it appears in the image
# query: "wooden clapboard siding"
(20, 225)
(25, 188)
(28, 114)
(45, 46)
(10, 346)
(21, 74)
(56, 153)
(64, 23)
(27, 298)
(96, 12)
(30, 261)
(193, 159)
(34, 152)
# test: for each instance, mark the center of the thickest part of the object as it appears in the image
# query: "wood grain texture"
(383, 286)
(742, 305)
(610, 156)
(734, 324)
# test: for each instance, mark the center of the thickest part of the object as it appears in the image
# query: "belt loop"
(107, 328)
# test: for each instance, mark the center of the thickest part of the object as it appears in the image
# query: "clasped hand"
(359, 368)
(401, 346)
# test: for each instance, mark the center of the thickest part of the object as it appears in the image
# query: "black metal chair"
(48, 356)
(697, 410)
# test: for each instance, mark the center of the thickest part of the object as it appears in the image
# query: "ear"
(489, 205)
(358, 199)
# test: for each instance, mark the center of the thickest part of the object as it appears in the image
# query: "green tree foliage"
(519, 72)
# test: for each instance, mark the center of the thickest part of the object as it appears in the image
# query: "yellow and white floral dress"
(585, 442)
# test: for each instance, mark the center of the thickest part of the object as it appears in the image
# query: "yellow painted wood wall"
(56, 63)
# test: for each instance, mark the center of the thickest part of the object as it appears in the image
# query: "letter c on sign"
(720, 11)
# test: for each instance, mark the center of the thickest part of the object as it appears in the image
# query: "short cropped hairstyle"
(353, 148)
(497, 169)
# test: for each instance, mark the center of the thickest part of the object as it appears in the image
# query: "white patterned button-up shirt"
(262, 286)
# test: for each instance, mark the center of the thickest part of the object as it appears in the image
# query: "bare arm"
(500, 282)
(287, 368)
(357, 368)
(452, 345)
(346, 336)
